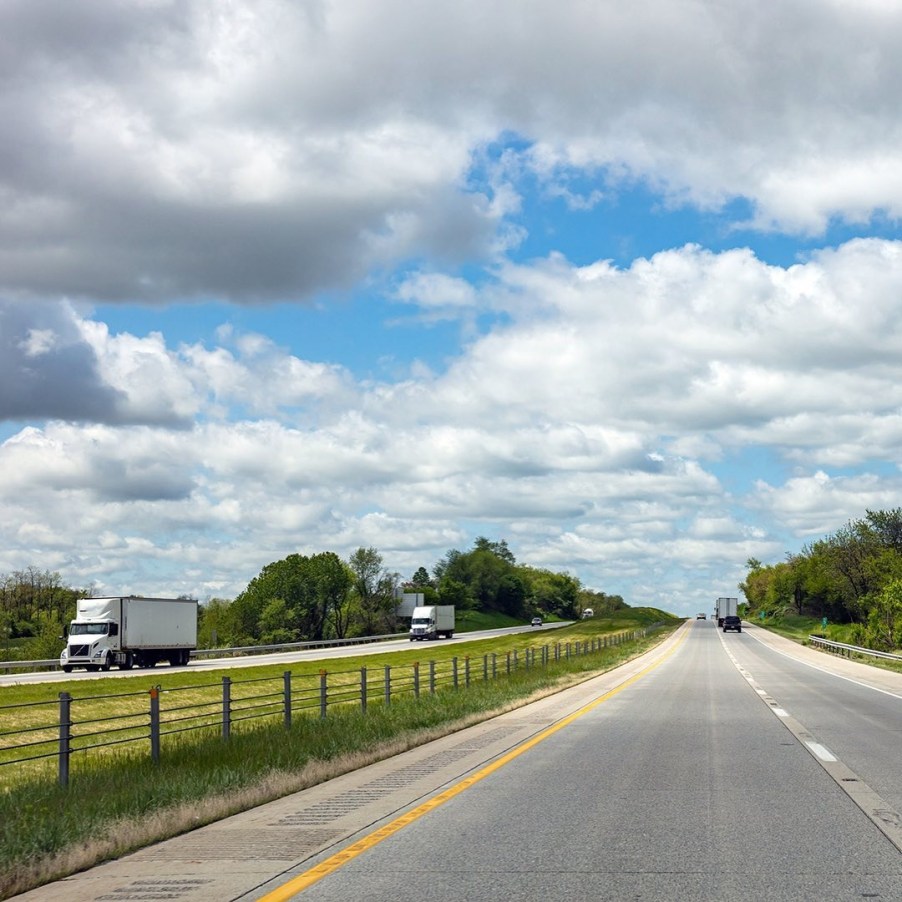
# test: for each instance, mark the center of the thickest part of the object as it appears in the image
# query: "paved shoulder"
(868, 675)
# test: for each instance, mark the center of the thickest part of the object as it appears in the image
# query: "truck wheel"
(106, 664)
(67, 669)
(127, 662)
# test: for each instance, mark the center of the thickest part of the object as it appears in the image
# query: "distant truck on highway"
(726, 607)
(432, 622)
(128, 631)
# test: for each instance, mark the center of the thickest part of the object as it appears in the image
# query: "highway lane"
(863, 728)
(260, 660)
(684, 785)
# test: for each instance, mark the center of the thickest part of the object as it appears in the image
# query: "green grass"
(118, 801)
(471, 621)
(799, 628)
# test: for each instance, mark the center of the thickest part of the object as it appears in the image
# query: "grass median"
(118, 800)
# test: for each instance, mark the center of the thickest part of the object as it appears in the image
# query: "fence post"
(286, 682)
(508, 663)
(516, 660)
(65, 737)
(155, 724)
(454, 671)
(432, 677)
(416, 679)
(363, 690)
(322, 693)
(226, 707)
(387, 685)
(494, 666)
(467, 671)
(485, 668)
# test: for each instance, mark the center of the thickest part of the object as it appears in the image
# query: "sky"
(619, 284)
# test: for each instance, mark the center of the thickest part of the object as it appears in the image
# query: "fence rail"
(848, 650)
(64, 727)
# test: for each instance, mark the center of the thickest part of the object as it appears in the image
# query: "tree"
(374, 588)
(552, 593)
(310, 587)
(217, 624)
(273, 620)
(420, 579)
(884, 629)
(887, 526)
(499, 549)
(489, 577)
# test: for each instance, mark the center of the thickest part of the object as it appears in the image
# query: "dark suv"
(732, 623)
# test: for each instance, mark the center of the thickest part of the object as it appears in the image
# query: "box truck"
(726, 607)
(130, 632)
(432, 622)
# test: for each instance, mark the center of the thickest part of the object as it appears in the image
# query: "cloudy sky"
(618, 283)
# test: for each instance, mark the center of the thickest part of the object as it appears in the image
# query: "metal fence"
(67, 726)
(841, 648)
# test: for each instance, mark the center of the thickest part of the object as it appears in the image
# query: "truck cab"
(91, 644)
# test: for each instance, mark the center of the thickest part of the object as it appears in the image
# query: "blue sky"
(621, 286)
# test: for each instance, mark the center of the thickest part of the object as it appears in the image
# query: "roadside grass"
(799, 628)
(469, 621)
(119, 802)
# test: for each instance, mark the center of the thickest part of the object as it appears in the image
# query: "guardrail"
(236, 651)
(68, 725)
(848, 650)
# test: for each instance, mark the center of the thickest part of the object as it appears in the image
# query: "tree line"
(852, 576)
(317, 596)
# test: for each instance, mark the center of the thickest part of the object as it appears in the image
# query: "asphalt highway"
(718, 767)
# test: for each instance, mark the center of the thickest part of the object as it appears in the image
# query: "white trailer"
(130, 631)
(726, 607)
(432, 622)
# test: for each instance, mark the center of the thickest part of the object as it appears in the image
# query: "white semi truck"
(432, 622)
(130, 632)
(726, 607)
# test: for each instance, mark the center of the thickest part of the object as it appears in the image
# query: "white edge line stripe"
(821, 751)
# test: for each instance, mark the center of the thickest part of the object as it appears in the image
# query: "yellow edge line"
(308, 878)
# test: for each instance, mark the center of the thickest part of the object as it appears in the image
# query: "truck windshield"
(420, 621)
(88, 629)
